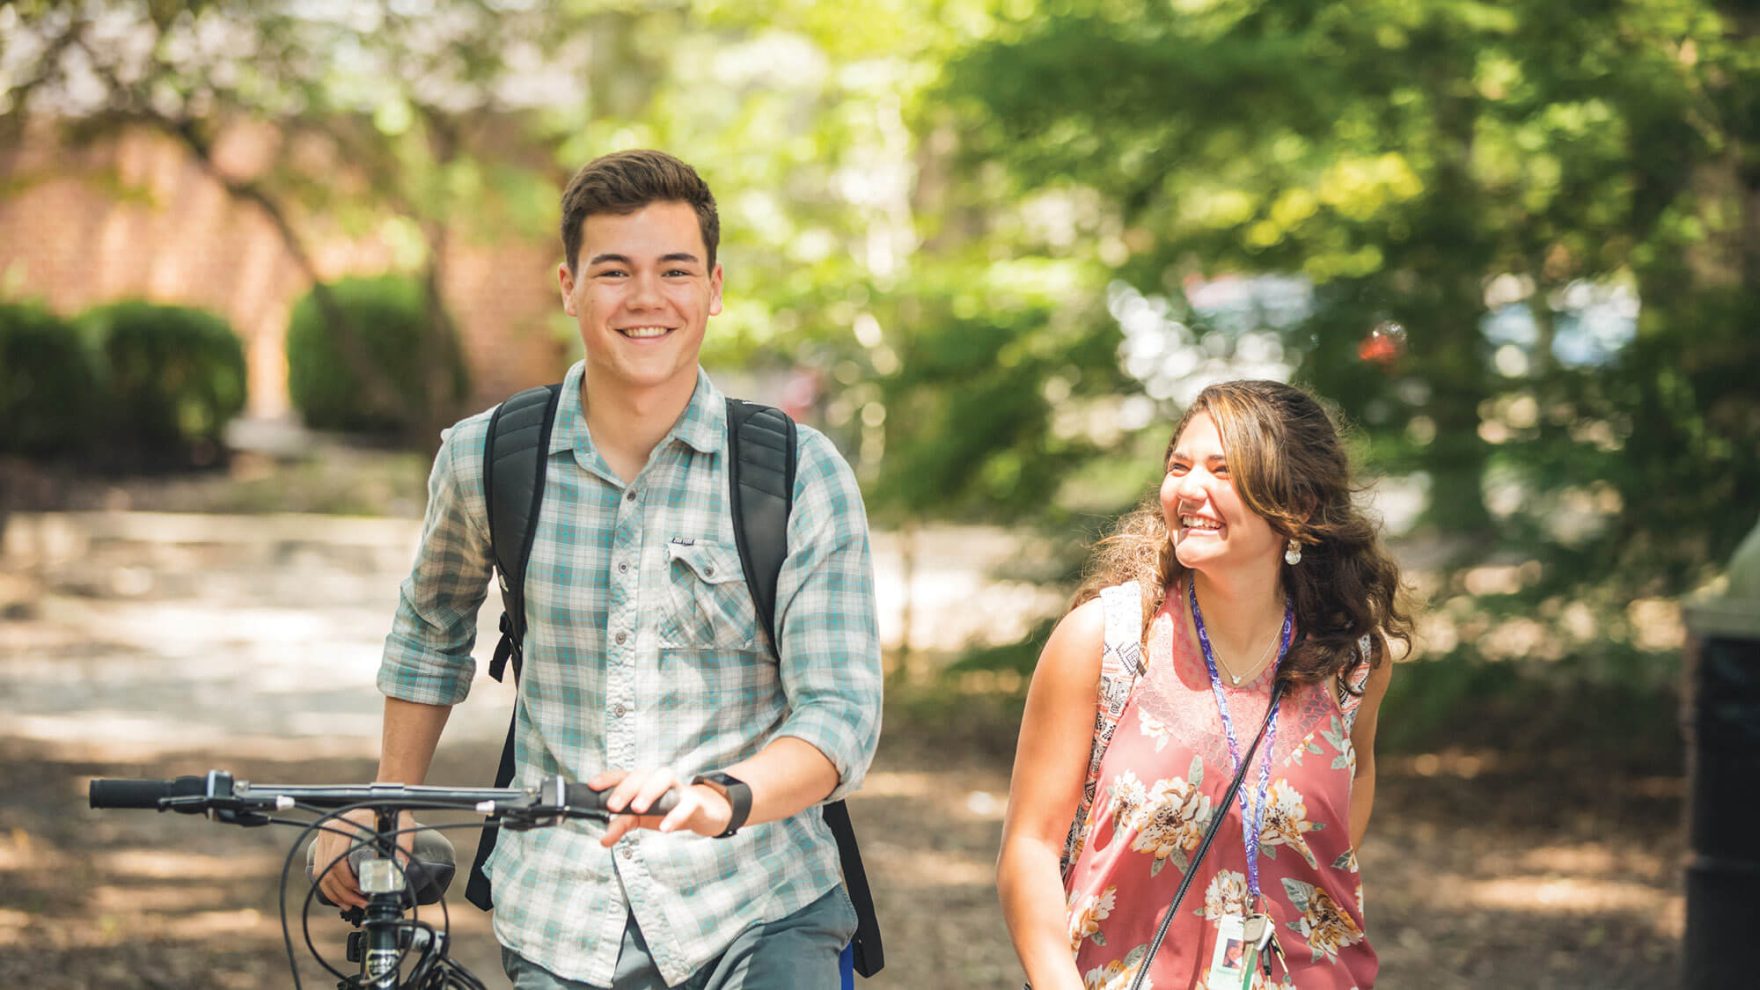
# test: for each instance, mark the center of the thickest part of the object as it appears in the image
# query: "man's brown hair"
(625, 181)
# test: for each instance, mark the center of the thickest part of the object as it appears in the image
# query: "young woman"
(1254, 567)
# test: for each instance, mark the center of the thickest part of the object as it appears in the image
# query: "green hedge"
(49, 399)
(388, 316)
(174, 377)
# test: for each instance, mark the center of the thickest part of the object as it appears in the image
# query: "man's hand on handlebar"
(700, 809)
(341, 885)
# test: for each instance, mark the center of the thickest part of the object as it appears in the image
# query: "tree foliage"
(1414, 161)
(416, 124)
(949, 213)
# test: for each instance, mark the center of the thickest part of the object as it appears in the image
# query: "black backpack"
(760, 493)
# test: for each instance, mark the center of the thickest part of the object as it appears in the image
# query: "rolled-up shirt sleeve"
(427, 655)
(829, 645)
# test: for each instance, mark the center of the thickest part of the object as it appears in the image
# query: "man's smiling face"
(642, 293)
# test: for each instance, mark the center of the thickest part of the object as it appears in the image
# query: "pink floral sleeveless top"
(1161, 780)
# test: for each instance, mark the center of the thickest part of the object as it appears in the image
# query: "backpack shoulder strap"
(761, 442)
(1121, 663)
(1353, 682)
(760, 490)
(515, 456)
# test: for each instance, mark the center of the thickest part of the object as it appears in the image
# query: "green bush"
(388, 318)
(174, 377)
(49, 398)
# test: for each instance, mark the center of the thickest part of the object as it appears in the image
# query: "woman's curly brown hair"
(1289, 466)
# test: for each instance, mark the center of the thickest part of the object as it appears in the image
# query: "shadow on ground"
(1484, 869)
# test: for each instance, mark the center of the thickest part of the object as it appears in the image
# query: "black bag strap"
(760, 483)
(760, 487)
(515, 458)
(516, 454)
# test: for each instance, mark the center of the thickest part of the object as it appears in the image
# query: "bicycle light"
(380, 876)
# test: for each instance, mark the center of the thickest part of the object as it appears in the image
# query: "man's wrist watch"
(737, 793)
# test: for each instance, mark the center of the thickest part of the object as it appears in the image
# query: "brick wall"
(136, 217)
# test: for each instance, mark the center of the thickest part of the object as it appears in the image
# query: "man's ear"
(715, 290)
(565, 279)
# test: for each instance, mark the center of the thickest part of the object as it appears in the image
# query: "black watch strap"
(737, 792)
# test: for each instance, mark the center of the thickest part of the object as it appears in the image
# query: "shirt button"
(626, 851)
(623, 567)
(710, 570)
(629, 496)
(617, 710)
(620, 637)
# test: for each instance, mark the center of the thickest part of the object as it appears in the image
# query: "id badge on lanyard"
(1240, 942)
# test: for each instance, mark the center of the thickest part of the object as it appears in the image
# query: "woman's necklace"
(1236, 679)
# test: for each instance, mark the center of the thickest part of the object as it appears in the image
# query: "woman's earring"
(1293, 555)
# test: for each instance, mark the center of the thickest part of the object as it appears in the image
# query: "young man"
(644, 664)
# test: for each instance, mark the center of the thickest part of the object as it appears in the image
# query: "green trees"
(946, 212)
(1419, 162)
(417, 127)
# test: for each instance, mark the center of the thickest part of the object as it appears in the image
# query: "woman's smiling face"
(1212, 527)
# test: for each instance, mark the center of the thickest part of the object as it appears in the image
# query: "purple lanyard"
(1252, 820)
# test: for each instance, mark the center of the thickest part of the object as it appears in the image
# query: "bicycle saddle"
(429, 873)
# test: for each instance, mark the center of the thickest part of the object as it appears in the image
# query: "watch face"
(737, 793)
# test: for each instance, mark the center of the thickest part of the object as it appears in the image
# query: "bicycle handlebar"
(218, 792)
(383, 938)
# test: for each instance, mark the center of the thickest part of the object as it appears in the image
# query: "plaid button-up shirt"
(643, 650)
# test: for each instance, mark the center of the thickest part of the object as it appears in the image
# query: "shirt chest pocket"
(706, 604)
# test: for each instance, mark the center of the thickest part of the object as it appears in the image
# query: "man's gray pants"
(798, 952)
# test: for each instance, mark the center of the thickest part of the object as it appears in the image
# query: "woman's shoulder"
(1072, 652)
(1082, 626)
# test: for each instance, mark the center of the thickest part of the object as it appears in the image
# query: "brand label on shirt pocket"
(707, 604)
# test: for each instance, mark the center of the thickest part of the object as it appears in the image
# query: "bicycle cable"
(358, 841)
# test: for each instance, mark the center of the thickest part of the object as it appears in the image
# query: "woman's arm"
(1050, 766)
(1363, 741)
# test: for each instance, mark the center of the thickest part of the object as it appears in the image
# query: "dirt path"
(1554, 887)
(1485, 868)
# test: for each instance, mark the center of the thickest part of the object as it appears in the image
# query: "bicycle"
(384, 942)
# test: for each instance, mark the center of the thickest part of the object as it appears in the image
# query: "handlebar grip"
(128, 793)
(586, 799)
